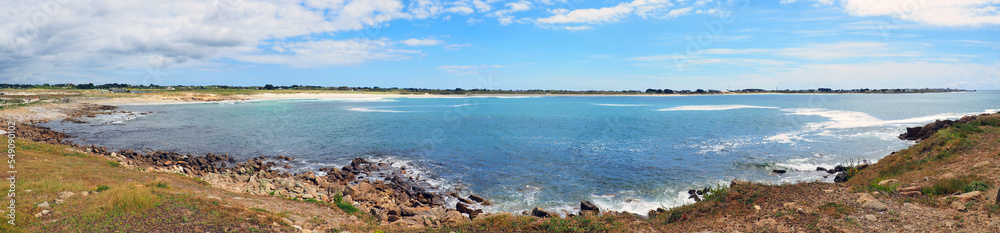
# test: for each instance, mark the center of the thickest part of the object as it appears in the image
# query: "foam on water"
(712, 107)
(376, 110)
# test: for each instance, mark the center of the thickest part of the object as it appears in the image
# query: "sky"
(493, 44)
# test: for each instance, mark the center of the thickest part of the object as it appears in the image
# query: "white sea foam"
(840, 119)
(622, 105)
(991, 111)
(712, 107)
(376, 110)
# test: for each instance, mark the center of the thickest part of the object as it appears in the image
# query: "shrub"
(113, 163)
(976, 186)
(101, 188)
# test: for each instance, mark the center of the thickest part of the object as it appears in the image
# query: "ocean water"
(626, 153)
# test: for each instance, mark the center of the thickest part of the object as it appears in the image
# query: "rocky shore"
(389, 194)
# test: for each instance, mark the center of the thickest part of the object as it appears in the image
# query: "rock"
(43, 205)
(828, 190)
(539, 212)
(789, 205)
(841, 177)
(911, 206)
(779, 171)
(287, 221)
(84, 193)
(888, 182)
(213, 197)
(820, 169)
(875, 205)
(462, 208)
(766, 221)
(865, 197)
(756, 207)
(65, 194)
(923, 132)
(453, 217)
(965, 197)
(981, 164)
(59, 201)
(947, 176)
(958, 205)
(588, 206)
(871, 217)
(392, 218)
(477, 198)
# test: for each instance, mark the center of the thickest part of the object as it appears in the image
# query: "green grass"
(953, 185)
(101, 188)
(113, 163)
(874, 186)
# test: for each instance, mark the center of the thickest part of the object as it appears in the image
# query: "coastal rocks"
(841, 177)
(587, 206)
(539, 212)
(923, 132)
(462, 208)
(778, 171)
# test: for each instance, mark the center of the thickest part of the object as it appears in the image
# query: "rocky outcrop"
(923, 132)
(587, 206)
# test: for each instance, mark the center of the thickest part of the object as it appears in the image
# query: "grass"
(124, 200)
(874, 186)
(954, 185)
(835, 210)
(113, 163)
(348, 208)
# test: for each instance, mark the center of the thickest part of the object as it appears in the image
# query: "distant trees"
(268, 87)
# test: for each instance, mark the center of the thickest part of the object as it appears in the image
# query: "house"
(118, 90)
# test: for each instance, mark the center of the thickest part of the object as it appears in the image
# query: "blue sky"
(545, 44)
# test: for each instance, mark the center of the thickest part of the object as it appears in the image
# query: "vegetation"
(118, 200)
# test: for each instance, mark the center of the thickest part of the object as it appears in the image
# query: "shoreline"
(255, 177)
(194, 97)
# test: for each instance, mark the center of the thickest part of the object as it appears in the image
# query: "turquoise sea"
(629, 153)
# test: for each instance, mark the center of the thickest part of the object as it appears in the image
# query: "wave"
(622, 105)
(375, 110)
(712, 107)
(840, 119)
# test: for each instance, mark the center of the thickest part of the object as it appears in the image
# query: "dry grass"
(132, 200)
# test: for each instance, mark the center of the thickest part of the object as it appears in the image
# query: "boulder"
(965, 197)
(875, 205)
(588, 206)
(476, 198)
(841, 178)
(820, 169)
(43, 205)
(778, 171)
(539, 212)
(958, 205)
(462, 208)
(392, 218)
(65, 194)
(453, 217)
(981, 164)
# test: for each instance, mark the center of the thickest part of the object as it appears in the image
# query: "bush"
(976, 186)
(954, 185)
(113, 163)
(101, 188)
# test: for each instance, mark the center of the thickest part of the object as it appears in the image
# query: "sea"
(624, 153)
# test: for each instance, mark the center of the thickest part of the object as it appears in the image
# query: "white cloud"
(421, 42)
(35, 36)
(504, 15)
(938, 13)
(659, 9)
(467, 69)
(577, 28)
(318, 54)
